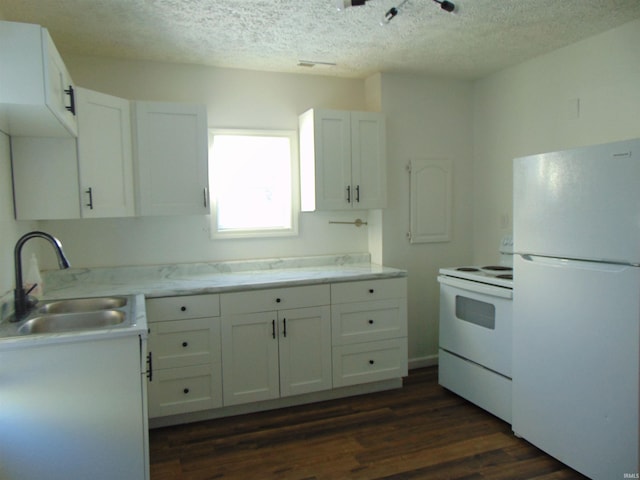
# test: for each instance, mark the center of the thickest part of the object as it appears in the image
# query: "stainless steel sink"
(67, 322)
(76, 305)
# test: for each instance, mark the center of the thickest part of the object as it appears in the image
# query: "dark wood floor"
(421, 431)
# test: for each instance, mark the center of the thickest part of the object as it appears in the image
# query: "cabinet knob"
(370, 322)
(278, 300)
(185, 344)
(371, 290)
(371, 362)
(185, 391)
(183, 309)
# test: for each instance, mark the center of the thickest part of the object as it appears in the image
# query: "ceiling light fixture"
(393, 11)
(342, 4)
(446, 6)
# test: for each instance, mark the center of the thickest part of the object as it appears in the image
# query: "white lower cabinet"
(234, 349)
(74, 410)
(369, 331)
(270, 352)
(184, 342)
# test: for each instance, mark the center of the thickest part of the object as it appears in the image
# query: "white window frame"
(292, 135)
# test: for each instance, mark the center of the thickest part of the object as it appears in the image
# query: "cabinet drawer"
(183, 390)
(180, 343)
(369, 290)
(190, 306)
(369, 362)
(368, 321)
(275, 299)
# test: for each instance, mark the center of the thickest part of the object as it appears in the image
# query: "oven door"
(475, 322)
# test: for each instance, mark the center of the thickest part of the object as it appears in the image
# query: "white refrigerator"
(576, 306)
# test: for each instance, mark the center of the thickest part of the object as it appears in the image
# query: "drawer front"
(275, 299)
(369, 362)
(184, 390)
(369, 290)
(181, 343)
(188, 306)
(368, 321)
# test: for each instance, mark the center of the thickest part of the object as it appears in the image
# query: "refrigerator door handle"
(601, 266)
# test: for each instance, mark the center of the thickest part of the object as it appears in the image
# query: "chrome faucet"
(21, 298)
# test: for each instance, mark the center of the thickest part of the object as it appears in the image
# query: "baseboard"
(420, 362)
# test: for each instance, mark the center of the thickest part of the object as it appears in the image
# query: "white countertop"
(201, 278)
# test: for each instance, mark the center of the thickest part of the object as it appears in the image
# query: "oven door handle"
(476, 287)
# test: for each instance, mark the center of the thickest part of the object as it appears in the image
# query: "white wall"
(533, 108)
(426, 118)
(10, 229)
(234, 99)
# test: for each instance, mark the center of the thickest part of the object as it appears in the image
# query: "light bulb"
(391, 13)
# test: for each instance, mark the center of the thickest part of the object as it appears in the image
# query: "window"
(254, 183)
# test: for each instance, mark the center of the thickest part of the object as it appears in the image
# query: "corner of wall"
(373, 92)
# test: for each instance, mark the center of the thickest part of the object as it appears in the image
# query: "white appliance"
(576, 327)
(474, 358)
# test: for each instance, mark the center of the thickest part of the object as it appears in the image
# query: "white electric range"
(475, 343)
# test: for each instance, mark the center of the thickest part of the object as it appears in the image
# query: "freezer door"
(581, 204)
(575, 362)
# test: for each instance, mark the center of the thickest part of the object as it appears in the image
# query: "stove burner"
(467, 269)
(506, 276)
(497, 268)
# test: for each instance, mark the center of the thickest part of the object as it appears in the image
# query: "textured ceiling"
(481, 37)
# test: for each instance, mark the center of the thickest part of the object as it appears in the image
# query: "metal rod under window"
(357, 222)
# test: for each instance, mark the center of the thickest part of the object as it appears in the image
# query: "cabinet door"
(368, 321)
(342, 160)
(183, 390)
(79, 405)
(369, 362)
(181, 343)
(59, 89)
(368, 157)
(33, 80)
(250, 358)
(171, 158)
(305, 350)
(104, 155)
(325, 156)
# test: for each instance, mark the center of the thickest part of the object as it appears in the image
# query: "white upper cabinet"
(36, 90)
(104, 155)
(342, 160)
(91, 177)
(171, 158)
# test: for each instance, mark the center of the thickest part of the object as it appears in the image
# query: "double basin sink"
(76, 314)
